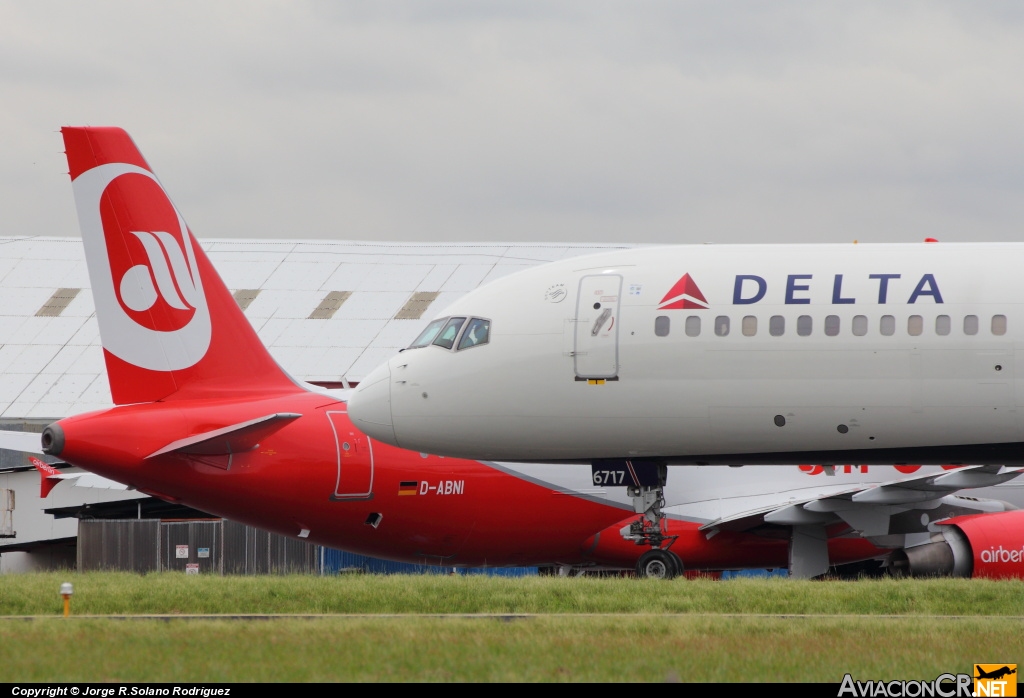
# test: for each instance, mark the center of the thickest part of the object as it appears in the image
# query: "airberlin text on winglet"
(751, 288)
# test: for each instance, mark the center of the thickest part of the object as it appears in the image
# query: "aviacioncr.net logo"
(150, 303)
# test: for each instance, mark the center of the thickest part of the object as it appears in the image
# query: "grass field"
(546, 629)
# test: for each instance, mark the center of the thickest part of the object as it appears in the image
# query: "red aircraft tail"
(167, 322)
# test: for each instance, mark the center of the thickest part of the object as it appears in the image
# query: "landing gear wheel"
(677, 561)
(658, 564)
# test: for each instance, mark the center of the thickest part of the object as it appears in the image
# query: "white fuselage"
(765, 353)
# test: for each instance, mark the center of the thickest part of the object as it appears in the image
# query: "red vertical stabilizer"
(168, 324)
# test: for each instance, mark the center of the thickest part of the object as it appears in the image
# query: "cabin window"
(887, 325)
(970, 324)
(693, 326)
(915, 325)
(776, 325)
(446, 337)
(722, 325)
(831, 325)
(477, 332)
(427, 336)
(804, 325)
(999, 325)
(661, 326)
(860, 325)
(942, 325)
(749, 325)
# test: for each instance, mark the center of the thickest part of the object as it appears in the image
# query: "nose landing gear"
(645, 483)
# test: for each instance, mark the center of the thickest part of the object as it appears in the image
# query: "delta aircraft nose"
(369, 406)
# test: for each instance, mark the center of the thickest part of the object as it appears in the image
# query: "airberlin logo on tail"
(684, 295)
(166, 281)
(150, 303)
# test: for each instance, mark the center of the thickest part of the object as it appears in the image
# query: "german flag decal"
(409, 487)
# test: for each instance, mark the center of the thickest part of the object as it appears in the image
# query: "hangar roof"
(329, 311)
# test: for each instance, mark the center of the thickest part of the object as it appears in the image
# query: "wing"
(24, 441)
(868, 509)
(895, 514)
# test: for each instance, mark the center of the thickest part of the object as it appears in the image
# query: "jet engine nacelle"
(986, 545)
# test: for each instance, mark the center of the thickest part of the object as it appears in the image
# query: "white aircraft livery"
(854, 353)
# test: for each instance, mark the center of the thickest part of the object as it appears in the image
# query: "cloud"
(648, 121)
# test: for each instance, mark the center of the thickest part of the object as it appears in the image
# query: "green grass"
(543, 648)
(656, 631)
(175, 593)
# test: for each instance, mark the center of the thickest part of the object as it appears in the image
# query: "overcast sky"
(531, 121)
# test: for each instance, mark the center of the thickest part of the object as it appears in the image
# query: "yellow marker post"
(66, 590)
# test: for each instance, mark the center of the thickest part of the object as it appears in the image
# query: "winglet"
(49, 477)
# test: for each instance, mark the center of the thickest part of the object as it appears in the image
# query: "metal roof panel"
(22, 301)
(11, 385)
(34, 359)
(9, 326)
(503, 269)
(300, 333)
(83, 304)
(47, 248)
(248, 249)
(90, 361)
(436, 277)
(299, 361)
(271, 329)
(466, 277)
(399, 334)
(399, 277)
(348, 276)
(357, 334)
(300, 276)
(58, 330)
(241, 274)
(37, 387)
(334, 364)
(51, 273)
(279, 303)
(88, 334)
(6, 263)
(375, 305)
(68, 388)
(65, 359)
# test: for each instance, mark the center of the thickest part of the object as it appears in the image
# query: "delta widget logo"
(685, 295)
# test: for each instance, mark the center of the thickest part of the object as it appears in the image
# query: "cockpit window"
(447, 336)
(427, 335)
(477, 332)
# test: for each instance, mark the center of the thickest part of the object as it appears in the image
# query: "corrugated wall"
(199, 547)
(115, 544)
(226, 547)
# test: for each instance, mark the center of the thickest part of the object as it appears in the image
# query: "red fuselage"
(319, 474)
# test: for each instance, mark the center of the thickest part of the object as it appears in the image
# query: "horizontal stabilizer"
(24, 441)
(237, 438)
